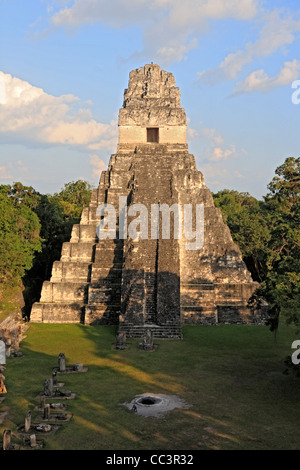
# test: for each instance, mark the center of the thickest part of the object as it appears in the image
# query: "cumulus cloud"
(191, 133)
(239, 175)
(260, 81)
(13, 170)
(218, 150)
(97, 164)
(220, 154)
(277, 32)
(218, 177)
(119, 12)
(170, 27)
(5, 173)
(214, 174)
(213, 135)
(30, 115)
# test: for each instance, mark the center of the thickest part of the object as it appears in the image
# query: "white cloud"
(237, 174)
(260, 81)
(220, 154)
(181, 14)
(277, 32)
(170, 27)
(212, 135)
(97, 164)
(214, 175)
(13, 170)
(218, 150)
(29, 115)
(191, 133)
(5, 173)
(21, 167)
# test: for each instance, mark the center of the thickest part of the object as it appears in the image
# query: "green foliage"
(21, 195)
(73, 197)
(281, 288)
(249, 226)
(268, 235)
(33, 228)
(19, 237)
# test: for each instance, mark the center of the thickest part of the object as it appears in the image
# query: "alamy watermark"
(183, 222)
(296, 354)
(296, 94)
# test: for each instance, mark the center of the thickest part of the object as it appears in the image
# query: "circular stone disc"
(152, 404)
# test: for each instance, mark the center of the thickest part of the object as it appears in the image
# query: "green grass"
(232, 376)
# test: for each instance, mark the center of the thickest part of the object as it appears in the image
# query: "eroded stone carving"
(61, 362)
(121, 341)
(48, 387)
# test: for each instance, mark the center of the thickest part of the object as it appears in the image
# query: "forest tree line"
(33, 227)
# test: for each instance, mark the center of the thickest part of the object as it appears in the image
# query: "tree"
(268, 235)
(19, 239)
(21, 195)
(54, 216)
(281, 288)
(249, 225)
(73, 197)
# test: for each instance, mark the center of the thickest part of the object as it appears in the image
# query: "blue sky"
(64, 65)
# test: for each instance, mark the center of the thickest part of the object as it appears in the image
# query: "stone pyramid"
(145, 281)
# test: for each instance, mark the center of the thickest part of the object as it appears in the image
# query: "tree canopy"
(19, 238)
(268, 234)
(33, 227)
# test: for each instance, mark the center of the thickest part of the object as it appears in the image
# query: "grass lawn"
(231, 375)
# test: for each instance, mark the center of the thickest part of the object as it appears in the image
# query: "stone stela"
(149, 283)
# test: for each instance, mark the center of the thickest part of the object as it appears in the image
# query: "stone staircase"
(159, 332)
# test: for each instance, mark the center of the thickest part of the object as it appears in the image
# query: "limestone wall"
(138, 135)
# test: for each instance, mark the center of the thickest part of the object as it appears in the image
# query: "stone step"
(64, 292)
(89, 216)
(83, 233)
(195, 286)
(82, 251)
(198, 315)
(109, 244)
(98, 274)
(159, 332)
(105, 283)
(77, 271)
(101, 314)
(105, 296)
(196, 302)
(108, 257)
(57, 312)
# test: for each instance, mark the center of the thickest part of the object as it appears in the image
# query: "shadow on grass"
(231, 378)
